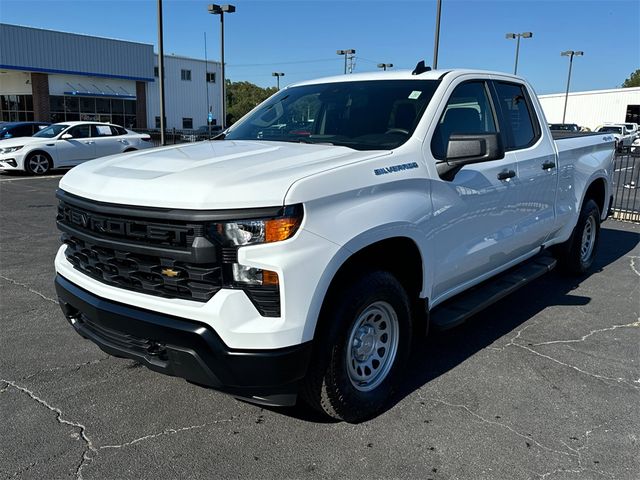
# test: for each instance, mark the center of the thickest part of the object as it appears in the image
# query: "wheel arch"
(36, 151)
(398, 254)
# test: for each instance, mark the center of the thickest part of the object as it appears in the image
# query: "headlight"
(10, 149)
(250, 232)
(234, 234)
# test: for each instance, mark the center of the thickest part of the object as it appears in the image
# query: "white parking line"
(17, 179)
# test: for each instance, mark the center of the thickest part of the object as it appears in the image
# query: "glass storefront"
(69, 108)
(16, 108)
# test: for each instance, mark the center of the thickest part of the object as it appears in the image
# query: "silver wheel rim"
(372, 346)
(38, 164)
(588, 239)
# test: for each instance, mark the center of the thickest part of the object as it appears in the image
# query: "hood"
(19, 141)
(207, 175)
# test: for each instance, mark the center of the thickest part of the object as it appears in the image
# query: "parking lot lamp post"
(221, 10)
(518, 36)
(346, 53)
(436, 42)
(384, 66)
(570, 54)
(161, 73)
(278, 75)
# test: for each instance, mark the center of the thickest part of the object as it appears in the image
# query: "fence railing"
(626, 199)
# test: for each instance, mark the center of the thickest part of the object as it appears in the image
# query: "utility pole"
(518, 36)
(346, 54)
(570, 54)
(437, 39)
(161, 73)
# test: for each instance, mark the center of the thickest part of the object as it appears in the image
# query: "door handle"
(506, 174)
(89, 142)
(548, 165)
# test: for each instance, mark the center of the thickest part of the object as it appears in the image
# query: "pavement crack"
(76, 366)
(24, 285)
(168, 431)
(592, 332)
(632, 263)
(527, 438)
(89, 448)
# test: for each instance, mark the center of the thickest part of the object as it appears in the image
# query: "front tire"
(37, 163)
(363, 343)
(577, 254)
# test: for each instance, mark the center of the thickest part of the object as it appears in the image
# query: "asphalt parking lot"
(543, 385)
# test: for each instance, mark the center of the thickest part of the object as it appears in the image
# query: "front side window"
(468, 111)
(81, 131)
(51, 131)
(516, 115)
(363, 115)
(185, 75)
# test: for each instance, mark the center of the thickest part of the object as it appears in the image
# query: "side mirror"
(66, 136)
(467, 149)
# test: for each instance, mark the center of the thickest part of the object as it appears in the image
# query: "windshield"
(364, 115)
(51, 131)
(610, 129)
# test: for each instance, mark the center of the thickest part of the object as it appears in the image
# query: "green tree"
(242, 97)
(633, 80)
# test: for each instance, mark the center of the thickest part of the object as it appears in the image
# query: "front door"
(77, 149)
(474, 215)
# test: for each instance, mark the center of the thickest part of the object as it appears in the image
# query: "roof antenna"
(420, 68)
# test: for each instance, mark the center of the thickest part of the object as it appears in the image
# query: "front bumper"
(184, 348)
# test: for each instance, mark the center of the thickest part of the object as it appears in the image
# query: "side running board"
(457, 309)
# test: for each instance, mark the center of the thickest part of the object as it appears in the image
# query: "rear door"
(472, 228)
(537, 169)
(106, 142)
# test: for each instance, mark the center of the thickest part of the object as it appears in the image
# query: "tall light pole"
(384, 66)
(346, 53)
(437, 39)
(161, 73)
(277, 75)
(518, 36)
(221, 10)
(570, 54)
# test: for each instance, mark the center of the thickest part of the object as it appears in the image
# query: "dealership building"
(55, 76)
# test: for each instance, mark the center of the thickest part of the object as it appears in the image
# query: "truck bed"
(561, 135)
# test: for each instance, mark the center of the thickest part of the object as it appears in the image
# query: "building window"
(185, 75)
(100, 109)
(16, 108)
(156, 73)
(158, 122)
(187, 123)
(211, 77)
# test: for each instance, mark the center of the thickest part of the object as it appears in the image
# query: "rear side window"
(518, 119)
(468, 111)
(102, 131)
(118, 130)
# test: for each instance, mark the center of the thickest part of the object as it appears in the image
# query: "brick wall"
(40, 90)
(141, 105)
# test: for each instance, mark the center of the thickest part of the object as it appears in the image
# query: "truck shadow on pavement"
(440, 352)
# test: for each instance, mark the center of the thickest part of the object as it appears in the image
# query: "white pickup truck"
(274, 263)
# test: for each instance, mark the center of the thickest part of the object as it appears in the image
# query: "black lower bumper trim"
(184, 348)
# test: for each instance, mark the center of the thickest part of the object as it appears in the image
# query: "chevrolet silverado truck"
(298, 262)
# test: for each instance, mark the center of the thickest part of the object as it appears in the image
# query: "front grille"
(154, 275)
(167, 253)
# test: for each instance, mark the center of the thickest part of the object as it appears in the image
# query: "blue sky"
(300, 37)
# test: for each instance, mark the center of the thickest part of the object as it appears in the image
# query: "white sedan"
(67, 144)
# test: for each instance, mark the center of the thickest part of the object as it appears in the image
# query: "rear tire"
(576, 255)
(362, 345)
(38, 163)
